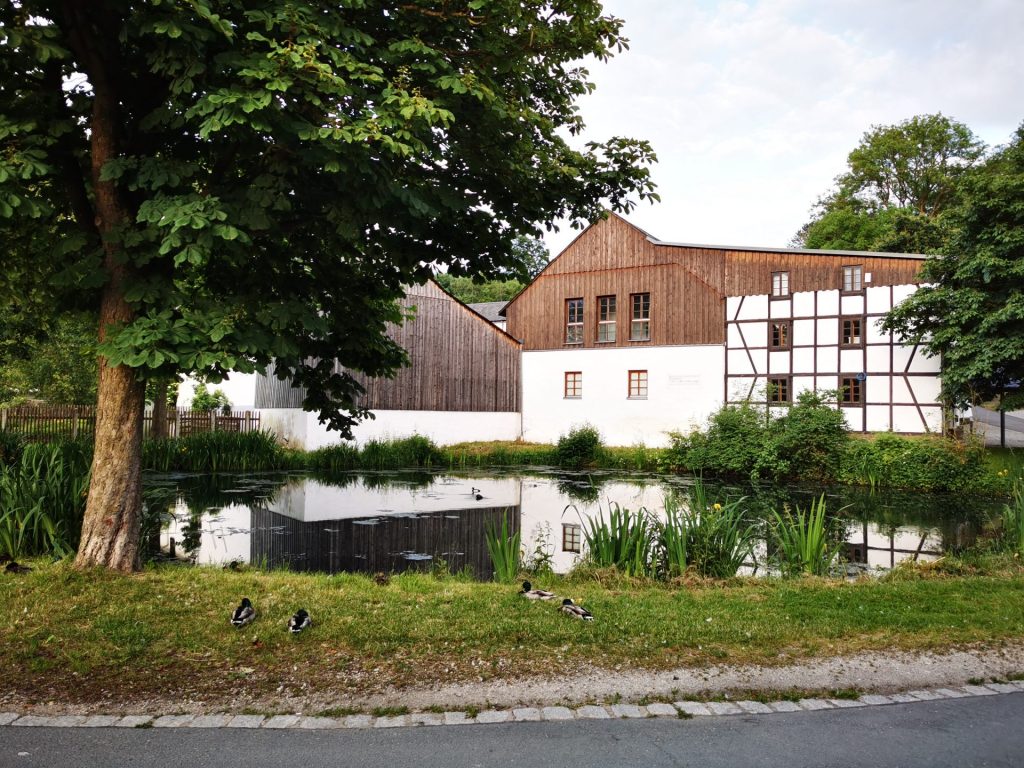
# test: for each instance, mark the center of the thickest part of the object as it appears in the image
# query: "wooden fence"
(44, 423)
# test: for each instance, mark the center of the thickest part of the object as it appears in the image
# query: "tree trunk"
(159, 430)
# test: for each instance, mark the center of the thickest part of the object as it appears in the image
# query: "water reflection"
(397, 521)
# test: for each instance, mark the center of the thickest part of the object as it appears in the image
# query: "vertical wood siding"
(458, 362)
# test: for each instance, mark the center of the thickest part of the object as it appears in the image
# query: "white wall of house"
(901, 385)
(303, 430)
(684, 385)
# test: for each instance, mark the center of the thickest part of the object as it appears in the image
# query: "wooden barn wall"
(750, 272)
(372, 545)
(458, 362)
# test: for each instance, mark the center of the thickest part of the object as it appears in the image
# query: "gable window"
(780, 336)
(572, 537)
(640, 325)
(574, 321)
(573, 384)
(853, 279)
(851, 331)
(778, 390)
(606, 317)
(852, 389)
(638, 384)
(780, 284)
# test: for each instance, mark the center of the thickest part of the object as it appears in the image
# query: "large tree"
(900, 181)
(971, 308)
(239, 181)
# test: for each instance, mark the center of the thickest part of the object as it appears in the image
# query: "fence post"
(213, 420)
(3, 418)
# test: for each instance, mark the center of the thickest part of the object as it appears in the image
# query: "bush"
(921, 463)
(805, 443)
(11, 446)
(580, 447)
(733, 444)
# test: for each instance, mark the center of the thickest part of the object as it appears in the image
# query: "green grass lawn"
(79, 636)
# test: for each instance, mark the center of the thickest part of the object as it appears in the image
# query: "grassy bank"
(165, 632)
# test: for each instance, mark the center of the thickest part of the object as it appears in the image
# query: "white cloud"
(753, 106)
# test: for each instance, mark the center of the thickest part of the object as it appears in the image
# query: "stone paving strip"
(678, 709)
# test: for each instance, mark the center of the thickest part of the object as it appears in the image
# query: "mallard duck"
(576, 611)
(244, 613)
(14, 567)
(535, 594)
(234, 565)
(381, 579)
(299, 621)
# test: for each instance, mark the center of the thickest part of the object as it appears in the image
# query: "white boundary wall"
(300, 429)
(684, 385)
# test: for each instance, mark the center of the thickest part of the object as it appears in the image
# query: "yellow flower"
(716, 506)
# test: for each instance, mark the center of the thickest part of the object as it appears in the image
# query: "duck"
(234, 565)
(535, 594)
(475, 493)
(244, 613)
(15, 567)
(299, 621)
(381, 579)
(576, 611)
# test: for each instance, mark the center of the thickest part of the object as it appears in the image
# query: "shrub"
(732, 445)
(922, 463)
(580, 447)
(806, 443)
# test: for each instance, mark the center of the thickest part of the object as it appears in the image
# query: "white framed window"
(572, 537)
(780, 284)
(640, 324)
(607, 314)
(574, 321)
(853, 279)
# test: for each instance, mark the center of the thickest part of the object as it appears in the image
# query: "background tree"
(971, 308)
(236, 182)
(901, 179)
(56, 363)
(529, 255)
(204, 400)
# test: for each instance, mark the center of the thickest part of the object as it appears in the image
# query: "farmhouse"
(638, 336)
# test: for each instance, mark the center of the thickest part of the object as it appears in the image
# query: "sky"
(752, 107)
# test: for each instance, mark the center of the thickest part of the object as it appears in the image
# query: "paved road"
(957, 733)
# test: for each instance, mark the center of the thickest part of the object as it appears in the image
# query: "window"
(852, 388)
(853, 279)
(640, 327)
(851, 331)
(574, 321)
(573, 384)
(571, 537)
(780, 284)
(779, 336)
(606, 315)
(638, 384)
(778, 390)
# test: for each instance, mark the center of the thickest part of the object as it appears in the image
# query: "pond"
(395, 521)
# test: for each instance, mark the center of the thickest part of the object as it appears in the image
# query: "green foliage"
(474, 291)
(216, 452)
(719, 536)
(42, 499)
(625, 541)
(58, 365)
(204, 400)
(971, 308)
(11, 446)
(807, 442)
(900, 181)
(401, 453)
(921, 463)
(803, 542)
(504, 547)
(731, 446)
(1012, 520)
(581, 447)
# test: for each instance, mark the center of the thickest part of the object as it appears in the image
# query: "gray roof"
(490, 310)
(808, 251)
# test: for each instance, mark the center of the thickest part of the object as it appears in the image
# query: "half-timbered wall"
(458, 362)
(900, 384)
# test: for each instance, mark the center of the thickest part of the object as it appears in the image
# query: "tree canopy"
(232, 182)
(900, 181)
(971, 308)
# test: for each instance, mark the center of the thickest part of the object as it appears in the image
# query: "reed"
(1012, 520)
(255, 451)
(624, 541)
(674, 534)
(802, 539)
(720, 538)
(504, 547)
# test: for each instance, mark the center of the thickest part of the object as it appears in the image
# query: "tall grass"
(1012, 520)
(625, 541)
(42, 499)
(719, 537)
(504, 547)
(255, 451)
(802, 538)
(674, 538)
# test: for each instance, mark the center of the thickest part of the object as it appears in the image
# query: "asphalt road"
(982, 731)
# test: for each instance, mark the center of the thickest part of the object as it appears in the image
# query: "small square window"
(573, 384)
(851, 390)
(853, 279)
(851, 331)
(778, 390)
(779, 336)
(638, 384)
(606, 319)
(640, 324)
(780, 284)
(572, 537)
(574, 321)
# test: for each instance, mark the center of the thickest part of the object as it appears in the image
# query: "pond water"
(396, 521)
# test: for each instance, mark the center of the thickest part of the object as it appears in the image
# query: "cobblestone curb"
(680, 709)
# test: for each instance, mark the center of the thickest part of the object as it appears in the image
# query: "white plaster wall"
(300, 429)
(780, 308)
(239, 387)
(685, 384)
